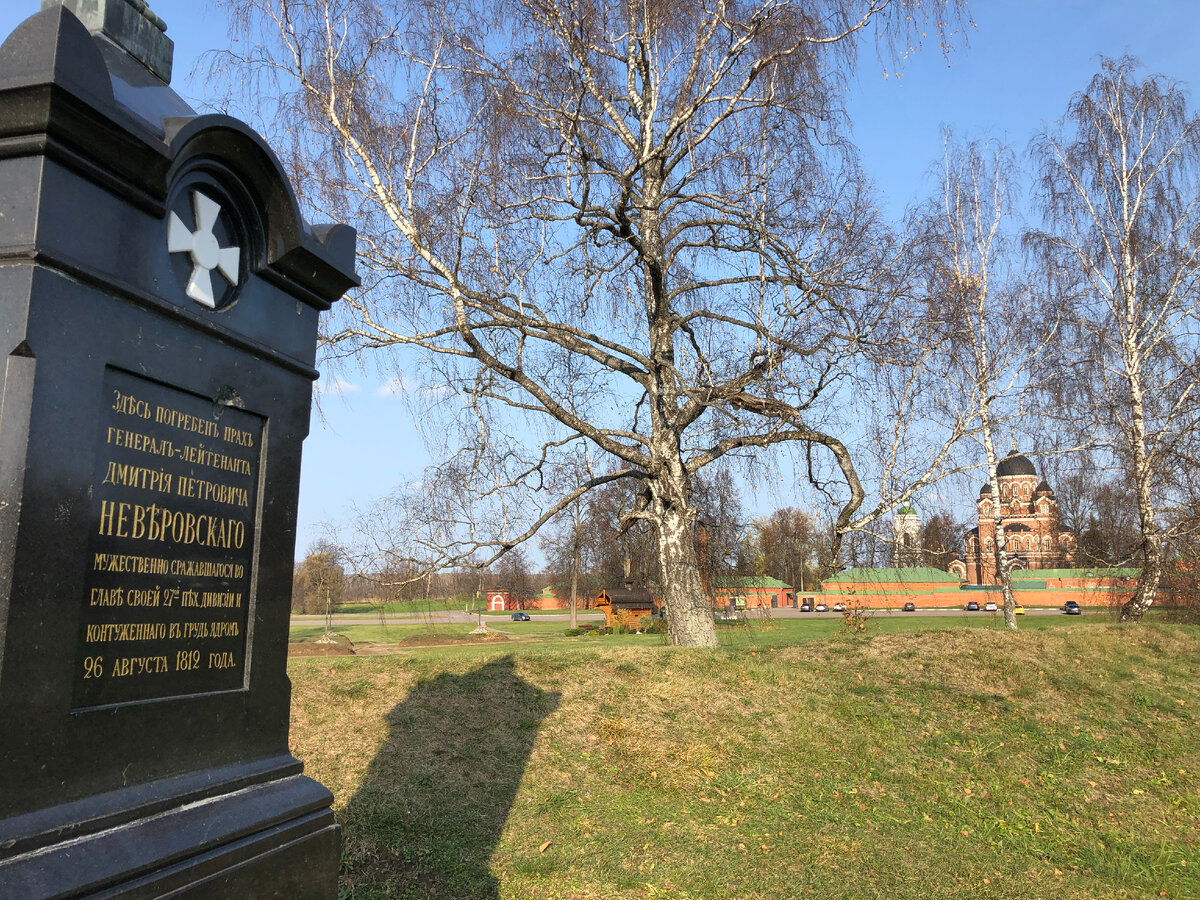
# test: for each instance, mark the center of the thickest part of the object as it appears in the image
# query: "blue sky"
(1024, 60)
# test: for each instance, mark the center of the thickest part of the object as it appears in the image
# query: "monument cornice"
(68, 112)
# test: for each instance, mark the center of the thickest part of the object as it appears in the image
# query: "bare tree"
(513, 574)
(868, 546)
(320, 582)
(563, 544)
(719, 525)
(982, 314)
(1120, 188)
(614, 539)
(791, 545)
(635, 225)
(564, 541)
(941, 539)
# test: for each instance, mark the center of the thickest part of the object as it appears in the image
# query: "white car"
(990, 606)
(839, 607)
(821, 607)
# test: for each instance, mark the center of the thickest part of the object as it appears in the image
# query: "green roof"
(750, 581)
(906, 510)
(911, 573)
(1043, 574)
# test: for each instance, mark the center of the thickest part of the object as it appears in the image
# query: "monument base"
(263, 839)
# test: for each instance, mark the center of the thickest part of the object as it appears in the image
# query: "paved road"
(373, 618)
(457, 617)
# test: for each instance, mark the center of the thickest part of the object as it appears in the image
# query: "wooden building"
(629, 605)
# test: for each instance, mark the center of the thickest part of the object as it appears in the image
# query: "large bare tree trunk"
(1003, 558)
(689, 612)
(1143, 598)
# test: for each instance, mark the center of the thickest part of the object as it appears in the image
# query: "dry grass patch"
(1046, 764)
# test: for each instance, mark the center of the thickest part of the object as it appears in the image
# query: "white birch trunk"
(1002, 558)
(1143, 598)
(575, 550)
(689, 612)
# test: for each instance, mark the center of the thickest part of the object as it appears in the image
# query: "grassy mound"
(1056, 763)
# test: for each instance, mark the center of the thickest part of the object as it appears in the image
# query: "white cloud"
(335, 386)
(392, 387)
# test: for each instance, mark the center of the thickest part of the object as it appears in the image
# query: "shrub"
(626, 622)
(657, 626)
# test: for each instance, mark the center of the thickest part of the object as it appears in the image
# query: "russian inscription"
(165, 604)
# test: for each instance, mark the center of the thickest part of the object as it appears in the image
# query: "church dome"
(906, 510)
(1015, 464)
(986, 490)
(1043, 488)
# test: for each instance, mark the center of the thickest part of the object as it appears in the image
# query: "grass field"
(922, 760)
(419, 608)
(754, 633)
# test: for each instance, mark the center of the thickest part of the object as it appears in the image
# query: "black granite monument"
(159, 294)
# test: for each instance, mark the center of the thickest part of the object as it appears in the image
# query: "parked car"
(1071, 608)
(910, 606)
(839, 607)
(821, 607)
(805, 606)
(520, 617)
(1019, 610)
(990, 606)
(973, 606)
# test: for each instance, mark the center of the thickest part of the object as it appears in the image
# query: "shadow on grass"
(430, 810)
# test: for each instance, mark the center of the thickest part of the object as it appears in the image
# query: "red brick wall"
(756, 597)
(1099, 592)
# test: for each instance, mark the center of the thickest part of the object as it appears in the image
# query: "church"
(1029, 513)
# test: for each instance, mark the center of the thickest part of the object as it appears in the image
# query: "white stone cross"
(206, 252)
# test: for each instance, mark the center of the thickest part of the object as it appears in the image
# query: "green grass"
(403, 607)
(395, 634)
(756, 633)
(379, 634)
(922, 760)
(424, 607)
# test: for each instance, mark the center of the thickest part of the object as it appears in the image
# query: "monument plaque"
(170, 554)
(159, 298)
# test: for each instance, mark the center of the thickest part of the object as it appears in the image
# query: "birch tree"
(987, 322)
(633, 225)
(564, 548)
(1120, 190)
(564, 544)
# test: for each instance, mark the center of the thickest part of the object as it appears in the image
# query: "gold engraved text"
(202, 489)
(129, 405)
(139, 665)
(132, 440)
(164, 415)
(215, 460)
(142, 477)
(125, 631)
(158, 523)
(238, 436)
